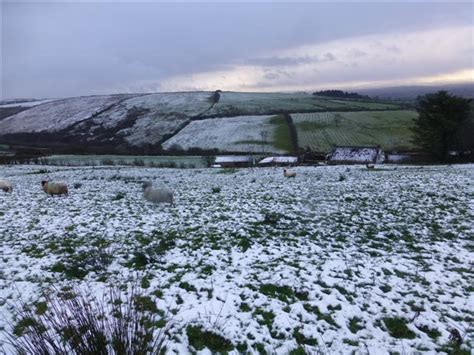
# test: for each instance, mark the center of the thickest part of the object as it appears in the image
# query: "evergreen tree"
(439, 117)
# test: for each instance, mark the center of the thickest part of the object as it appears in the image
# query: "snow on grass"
(187, 103)
(242, 103)
(58, 114)
(27, 103)
(140, 119)
(149, 118)
(379, 262)
(237, 134)
(155, 107)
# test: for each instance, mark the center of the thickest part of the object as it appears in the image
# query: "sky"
(63, 49)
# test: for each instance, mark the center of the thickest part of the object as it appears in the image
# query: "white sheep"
(158, 195)
(55, 188)
(288, 173)
(6, 186)
(370, 166)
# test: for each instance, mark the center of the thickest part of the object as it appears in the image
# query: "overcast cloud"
(70, 49)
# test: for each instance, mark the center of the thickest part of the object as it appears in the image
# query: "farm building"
(356, 155)
(278, 161)
(234, 161)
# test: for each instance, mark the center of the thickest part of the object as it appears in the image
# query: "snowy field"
(58, 114)
(154, 115)
(27, 103)
(252, 103)
(339, 259)
(231, 134)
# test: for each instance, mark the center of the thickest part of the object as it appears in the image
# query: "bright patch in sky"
(57, 49)
(424, 57)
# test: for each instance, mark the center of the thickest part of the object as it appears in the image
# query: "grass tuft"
(397, 328)
(199, 339)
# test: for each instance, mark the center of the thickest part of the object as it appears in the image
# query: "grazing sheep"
(289, 174)
(159, 195)
(370, 166)
(6, 186)
(55, 188)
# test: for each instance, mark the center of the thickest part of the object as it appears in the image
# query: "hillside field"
(239, 103)
(389, 129)
(137, 123)
(340, 259)
(235, 134)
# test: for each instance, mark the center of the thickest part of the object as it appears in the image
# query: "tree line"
(340, 94)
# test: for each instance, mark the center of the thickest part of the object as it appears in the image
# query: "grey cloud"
(281, 61)
(289, 61)
(65, 49)
(329, 57)
(357, 53)
(271, 76)
(276, 74)
(393, 49)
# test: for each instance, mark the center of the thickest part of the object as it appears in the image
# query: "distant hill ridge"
(410, 93)
(144, 122)
(148, 123)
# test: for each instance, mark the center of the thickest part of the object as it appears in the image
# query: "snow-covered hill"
(148, 119)
(57, 115)
(21, 103)
(244, 134)
(133, 122)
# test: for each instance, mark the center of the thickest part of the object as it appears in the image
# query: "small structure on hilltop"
(234, 161)
(356, 155)
(278, 161)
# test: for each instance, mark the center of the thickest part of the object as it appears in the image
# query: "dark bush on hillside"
(134, 112)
